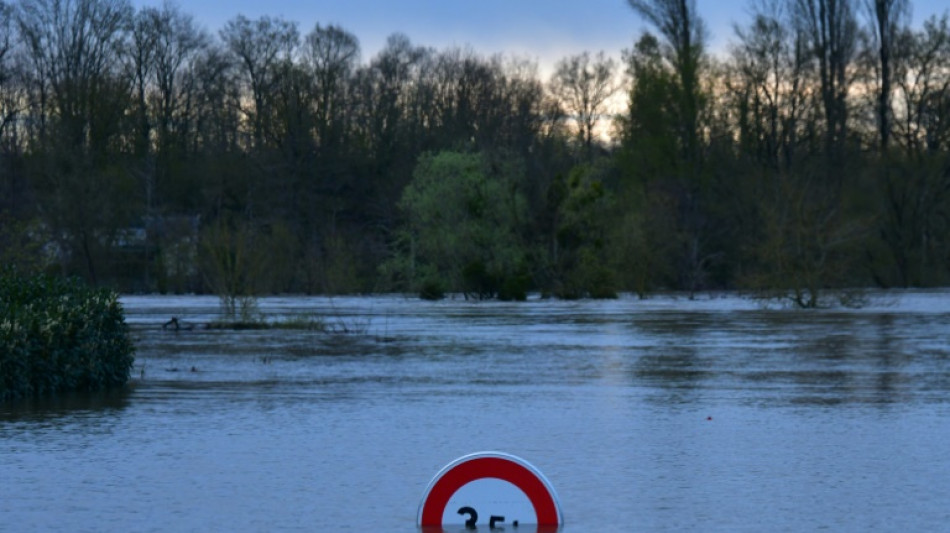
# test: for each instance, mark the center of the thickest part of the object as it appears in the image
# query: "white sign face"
(490, 489)
(487, 498)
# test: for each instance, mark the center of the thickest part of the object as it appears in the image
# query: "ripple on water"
(663, 414)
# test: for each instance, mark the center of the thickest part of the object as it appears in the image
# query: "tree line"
(140, 151)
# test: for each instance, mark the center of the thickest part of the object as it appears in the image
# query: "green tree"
(678, 22)
(580, 245)
(683, 186)
(464, 217)
(654, 191)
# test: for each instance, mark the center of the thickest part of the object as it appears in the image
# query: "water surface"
(667, 414)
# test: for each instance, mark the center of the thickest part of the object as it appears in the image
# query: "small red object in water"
(708, 418)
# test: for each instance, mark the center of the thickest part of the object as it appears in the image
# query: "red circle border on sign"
(489, 466)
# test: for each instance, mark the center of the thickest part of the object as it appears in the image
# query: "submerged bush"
(59, 335)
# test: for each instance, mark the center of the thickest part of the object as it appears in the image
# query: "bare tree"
(75, 52)
(522, 105)
(9, 86)
(766, 86)
(141, 60)
(832, 29)
(164, 45)
(922, 83)
(332, 54)
(75, 49)
(179, 42)
(17, 246)
(383, 112)
(259, 47)
(915, 194)
(887, 19)
(583, 85)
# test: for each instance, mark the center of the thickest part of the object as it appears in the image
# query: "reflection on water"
(96, 404)
(655, 415)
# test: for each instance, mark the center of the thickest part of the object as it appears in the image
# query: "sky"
(541, 30)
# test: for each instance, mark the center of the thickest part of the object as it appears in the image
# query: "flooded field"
(666, 414)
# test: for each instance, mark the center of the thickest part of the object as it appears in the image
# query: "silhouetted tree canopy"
(142, 152)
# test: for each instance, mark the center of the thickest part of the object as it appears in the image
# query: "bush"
(432, 290)
(59, 335)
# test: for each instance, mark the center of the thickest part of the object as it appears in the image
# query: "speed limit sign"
(491, 489)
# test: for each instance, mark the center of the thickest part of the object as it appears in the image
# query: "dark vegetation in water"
(270, 157)
(59, 335)
(335, 325)
(295, 323)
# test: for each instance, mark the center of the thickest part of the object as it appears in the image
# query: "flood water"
(668, 414)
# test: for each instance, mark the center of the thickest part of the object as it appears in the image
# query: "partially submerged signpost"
(490, 489)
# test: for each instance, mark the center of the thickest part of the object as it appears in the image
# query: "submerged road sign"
(491, 489)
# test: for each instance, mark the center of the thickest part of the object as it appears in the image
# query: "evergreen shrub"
(60, 335)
